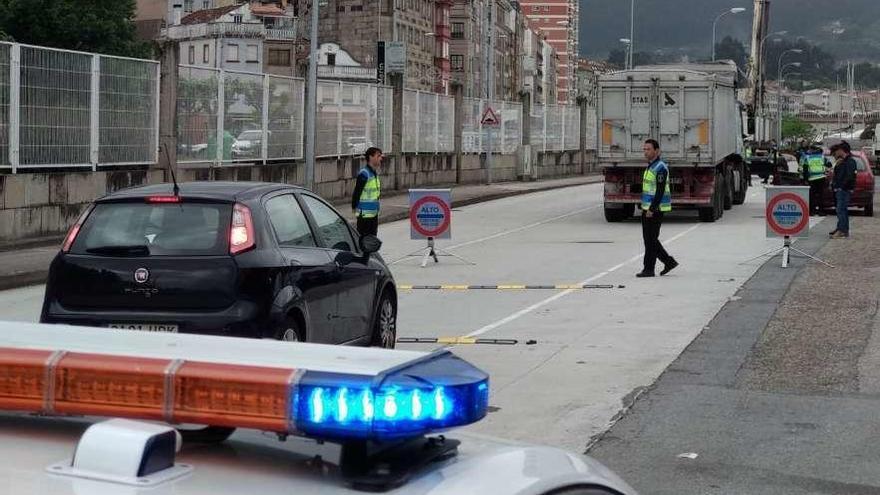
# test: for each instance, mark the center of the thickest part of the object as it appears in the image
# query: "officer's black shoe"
(669, 267)
(644, 274)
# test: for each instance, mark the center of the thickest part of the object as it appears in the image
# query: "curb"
(36, 277)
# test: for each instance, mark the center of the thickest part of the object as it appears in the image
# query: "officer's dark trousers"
(817, 190)
(368, 225)
(653, 249)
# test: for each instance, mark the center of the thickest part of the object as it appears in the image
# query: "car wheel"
(385, 331)
(289, 331)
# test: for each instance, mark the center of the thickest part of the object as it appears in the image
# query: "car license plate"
(145, 327)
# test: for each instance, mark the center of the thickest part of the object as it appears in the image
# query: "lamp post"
(735, 10)
(628, 43)
(760, 85)
(780, 81)
(632, 35)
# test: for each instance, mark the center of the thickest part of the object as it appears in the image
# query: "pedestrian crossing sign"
(490, 117)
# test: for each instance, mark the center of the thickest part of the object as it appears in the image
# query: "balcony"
(287, 34)
(217, 30)
(347, 73)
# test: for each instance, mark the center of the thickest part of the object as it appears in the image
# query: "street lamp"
(780, 81)
(628, 43)
(632, 35)
(735, 10)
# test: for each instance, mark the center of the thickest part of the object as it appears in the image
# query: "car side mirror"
(344, 258)
(370, 244)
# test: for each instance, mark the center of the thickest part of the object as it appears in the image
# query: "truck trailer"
(692, 111)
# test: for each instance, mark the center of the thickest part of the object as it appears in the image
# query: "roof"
(208, 15)
(267, 10)
(221, 190)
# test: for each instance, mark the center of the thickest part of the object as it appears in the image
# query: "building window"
(279, 58)
(237, 19)
(357, 8)
(253, 53)
(206, 53)
(331, 59)
(458, 30)
(536, 8)
(232, 53)
(457, 62)
(206, 4)
(192, 55)
(188, 6)
(340, 8)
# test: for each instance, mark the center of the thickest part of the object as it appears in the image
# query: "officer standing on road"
(813, 166)
(843, 184)
(656, 200)
(365, 197)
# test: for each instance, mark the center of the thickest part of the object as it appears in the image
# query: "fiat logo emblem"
(141, 275)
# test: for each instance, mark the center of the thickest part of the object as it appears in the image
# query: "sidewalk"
(29, 266)
(780, 392)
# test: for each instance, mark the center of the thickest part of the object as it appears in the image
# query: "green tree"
(98, 26)
(794, 128)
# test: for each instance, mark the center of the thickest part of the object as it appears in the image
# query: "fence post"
(221, 116)
(264, 152)
(367, 93)
(95, 111)
(525, 134)
(397, 126)
(418, 121)
(544, 123)
(339, 120)
(169, 74)
(458, 117)
(14, 106)
(436, 123)
(582, 135)
(564, 121)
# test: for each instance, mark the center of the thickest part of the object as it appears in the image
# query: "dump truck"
(692, 111)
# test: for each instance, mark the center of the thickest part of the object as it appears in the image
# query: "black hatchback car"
(225, 258)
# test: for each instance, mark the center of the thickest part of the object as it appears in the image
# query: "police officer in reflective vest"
(813, 166)
(365, 197)
(656, 201)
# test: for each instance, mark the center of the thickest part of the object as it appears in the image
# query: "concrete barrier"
(34, 206)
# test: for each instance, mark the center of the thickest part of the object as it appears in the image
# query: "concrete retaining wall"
(44, 205)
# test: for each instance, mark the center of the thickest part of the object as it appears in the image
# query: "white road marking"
(524, 227)
(540, 304)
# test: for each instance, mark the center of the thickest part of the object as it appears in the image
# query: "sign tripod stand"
(432, 251)
(786, 254)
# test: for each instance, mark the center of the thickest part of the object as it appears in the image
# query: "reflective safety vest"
(815, 165)
(368, 203)
(649, 187)
(748, 153)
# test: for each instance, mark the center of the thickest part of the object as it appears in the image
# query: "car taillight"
(74, 231)
(163, 199)
(241, 236)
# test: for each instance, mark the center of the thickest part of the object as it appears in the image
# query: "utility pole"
(489, 42)
(312, 98)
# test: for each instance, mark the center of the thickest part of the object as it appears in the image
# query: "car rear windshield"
(143, 229)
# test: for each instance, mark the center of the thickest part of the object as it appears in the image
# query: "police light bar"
(320, 391)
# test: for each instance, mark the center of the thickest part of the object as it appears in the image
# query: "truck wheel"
(869, 209)
(728, 192)
(707, 214)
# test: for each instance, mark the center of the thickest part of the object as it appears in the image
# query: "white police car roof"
(253, 461)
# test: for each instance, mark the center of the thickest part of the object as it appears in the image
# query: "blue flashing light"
(438, 392)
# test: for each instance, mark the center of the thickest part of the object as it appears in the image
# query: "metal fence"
(428, 122)
(61, 108)
(352, 117)
(556, 127)
(506, 136)
(261, 117)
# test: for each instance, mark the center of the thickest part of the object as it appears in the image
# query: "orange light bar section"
(22, 379)
(230, 395)
(118, 386)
